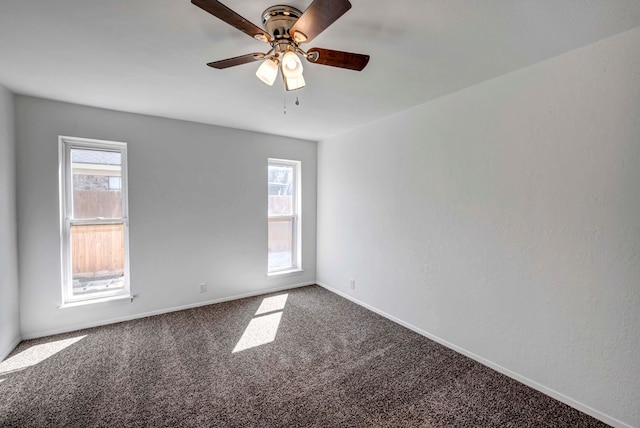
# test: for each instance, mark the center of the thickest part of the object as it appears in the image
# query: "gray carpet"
(332, 364)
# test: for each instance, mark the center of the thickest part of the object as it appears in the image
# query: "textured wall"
(197, 208)
(505, 220)
(9, 320)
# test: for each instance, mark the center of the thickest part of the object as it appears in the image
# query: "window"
(115, 183)
(283, 184)
(94, 225)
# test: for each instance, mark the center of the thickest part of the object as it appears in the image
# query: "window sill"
(103, 300)
(285, 273)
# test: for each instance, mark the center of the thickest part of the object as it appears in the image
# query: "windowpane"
(281, 189)
(96, 183)
(284, 232)
(97, 258)
(93, 190)
(280, 243)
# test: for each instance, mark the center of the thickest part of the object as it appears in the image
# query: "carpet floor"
(301, 358)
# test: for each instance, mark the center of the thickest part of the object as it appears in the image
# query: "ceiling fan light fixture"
(291, 65)
(268, 71)
(293, 83)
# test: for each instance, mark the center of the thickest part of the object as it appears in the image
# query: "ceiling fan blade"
(238, 60)
(319, 15)
(351, 61)
(222, 12)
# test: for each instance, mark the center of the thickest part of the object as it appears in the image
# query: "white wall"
(197, 208)
(505, 220)
(9, 319)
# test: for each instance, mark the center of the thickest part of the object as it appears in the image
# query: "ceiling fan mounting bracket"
(278, 20)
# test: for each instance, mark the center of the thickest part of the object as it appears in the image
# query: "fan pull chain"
(285, 103)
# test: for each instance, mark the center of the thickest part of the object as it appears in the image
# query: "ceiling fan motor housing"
(278, 20)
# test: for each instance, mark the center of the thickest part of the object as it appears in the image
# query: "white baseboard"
(43, 333)
(535, 385)
(4, 353)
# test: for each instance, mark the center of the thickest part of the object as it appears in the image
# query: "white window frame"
(296, 217)
(65, 145)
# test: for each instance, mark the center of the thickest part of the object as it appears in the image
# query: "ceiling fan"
(285, 29)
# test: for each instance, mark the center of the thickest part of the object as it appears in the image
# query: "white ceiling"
(149, 56)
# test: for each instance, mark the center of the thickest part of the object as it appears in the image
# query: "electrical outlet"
(352, 284)
(203, 287)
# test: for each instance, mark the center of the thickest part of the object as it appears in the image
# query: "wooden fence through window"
(97, 250)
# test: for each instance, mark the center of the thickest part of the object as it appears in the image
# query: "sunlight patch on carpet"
(36, 354)
(272, 304)
(262, 329)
